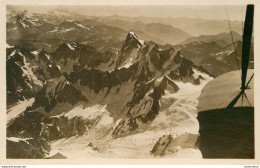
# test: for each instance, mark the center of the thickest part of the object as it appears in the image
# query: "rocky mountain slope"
(222, 39)
(107, 99)
(50, 30)
(216, 59)
(27, 72)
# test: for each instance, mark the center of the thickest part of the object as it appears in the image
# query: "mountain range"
(86, 80)
(49, 30)
(82, 87)
(222, 39)
(193, 26)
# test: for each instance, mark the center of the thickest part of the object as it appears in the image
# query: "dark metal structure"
(226, 119)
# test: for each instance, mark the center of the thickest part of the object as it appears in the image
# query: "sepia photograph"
(130, 82)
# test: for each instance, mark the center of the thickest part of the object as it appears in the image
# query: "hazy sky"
(205, 12)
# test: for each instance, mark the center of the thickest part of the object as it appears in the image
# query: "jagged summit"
(132, 41)
(132, 35)
(24, 22)
(129, 50)
(22, 15)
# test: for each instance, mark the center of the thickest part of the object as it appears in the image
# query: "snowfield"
(175, 118)
(88, 113)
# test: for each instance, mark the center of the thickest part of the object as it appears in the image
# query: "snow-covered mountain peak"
(132, 35)
(26, 21)
(129, 50)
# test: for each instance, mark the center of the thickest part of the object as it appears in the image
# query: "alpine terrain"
(79, 87)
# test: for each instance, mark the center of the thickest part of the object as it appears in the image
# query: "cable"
(223, 103)
(250, 80)
(242, 100)
(242, 19)
(232, 40)
(247, 99)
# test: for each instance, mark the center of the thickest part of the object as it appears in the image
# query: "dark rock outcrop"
(167, 145)
(29, 148)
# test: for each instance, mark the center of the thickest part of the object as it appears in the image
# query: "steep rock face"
(144, 108)
(24, 140)
(28, 124)
(27, 72)
(59, 90)
(129, 49)
(46, 67)
(22, 81)
(185, 72)
(75, 57)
